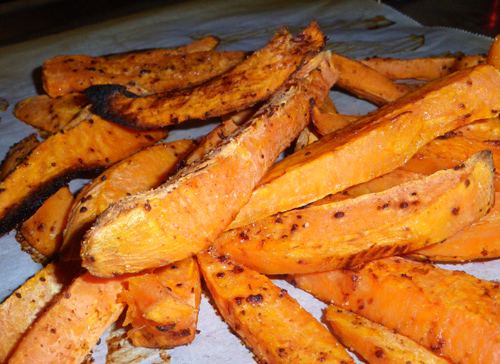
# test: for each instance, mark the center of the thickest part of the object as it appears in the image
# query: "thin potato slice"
(140, 172)
(25, 304)
(376, 144)
(72, 325)
(269, 321)
(157, 227)
(347, 233)
(91, 145)
(376, 343)
(243, 86)
(452, 313)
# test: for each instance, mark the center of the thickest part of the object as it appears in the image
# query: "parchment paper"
(353, 30)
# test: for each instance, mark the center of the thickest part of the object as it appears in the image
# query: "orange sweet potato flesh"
(67, 74)
(251, 81)
(163, 305)
(268, 320)
(48, 114)
(24, 305)
(17, 154)
(376, 144)
(493, 56)
(43, 232)
(92, 145)
(478, 241)
(72, 325)
(452, 313)
(482, 130)
(346, 233)
(365, 82)
(329, 122)
(376, 343)
(449, 151)
(155, 228)
(426, 69)
(140, 172)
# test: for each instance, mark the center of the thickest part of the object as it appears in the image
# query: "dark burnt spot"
(52, 330)
(467, 182)
(144, 72)
(282, 293)
(80, 161)
(466, 116)
(2, 190)
(222, 259)
(42, 227)
(459, 167)
(379, 353)
(220, 274)
(149, 137)
(438, 346)
(455, 210)
(238, 300)
(67, 294)
(448, 135)
(238, 269)
(18, 295)
(484, 253)
(294, 227)
(103, 178)
(165, 328)
(83, 209)
(244, 236)
(307, 153)
(383, 207)
(255, 298)
(147, 207)
(278, 220)
(107, 160)
(403, 205)
(338, 214)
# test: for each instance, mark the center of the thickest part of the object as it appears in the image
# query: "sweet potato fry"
(49, 115)
(17, 154)
(328, 122)
(478, 241)
(270, 322)
(483, 130)
(160, 72)
(73, 324)
(452, 313)
(350, 232)
(376, 343)
(493, 57)
(206, 194)
(163, 305)
(449, 151)
(243, 86)
(42, 234)
(426, 69)
(92, 145)
(376, 144)
(140, 172)
(365, 82)
(24, 305)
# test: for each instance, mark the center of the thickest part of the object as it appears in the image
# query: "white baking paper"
(241, 25)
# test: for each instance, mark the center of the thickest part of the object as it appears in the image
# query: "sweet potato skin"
(24, 305)
(270, 322)
(92, 145)
(222, 184)
(17, 154)
(350, 232)
(70, 328)
(241, 87)
(452, 313)
(398, 130)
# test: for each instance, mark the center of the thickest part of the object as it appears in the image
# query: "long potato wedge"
(365, 82)
(49, 115)
(141, 171)
(376, 144)
(158, 227)
(92, 145)
(329, 122)
(42, 234)
(483, 130)
(73, 324)
(163, 306)
(376, 343)
(67, 74)
(347, 233)
(243, 86)
(269, 321)
(426, 69)
(25, 304)
(452, 313)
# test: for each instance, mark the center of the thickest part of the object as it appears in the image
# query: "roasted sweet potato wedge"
(346, 233)
(427, 69)
(93, 144)
(493, 56)
(24, 305)
(478, 241)
(156, 228)
(376, 144)
(329, 122)
(243, 86)
(365, 82)
(483, 130)
(376, 343)
(140, 172)
(49, 115)
(17, 154)
(268, 320)
(42, 234)
(452, 313)
(163, 306)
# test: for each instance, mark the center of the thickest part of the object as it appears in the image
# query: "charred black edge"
(27, 207)
(101, 96)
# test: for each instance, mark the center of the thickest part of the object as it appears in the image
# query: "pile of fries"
(357, 214)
